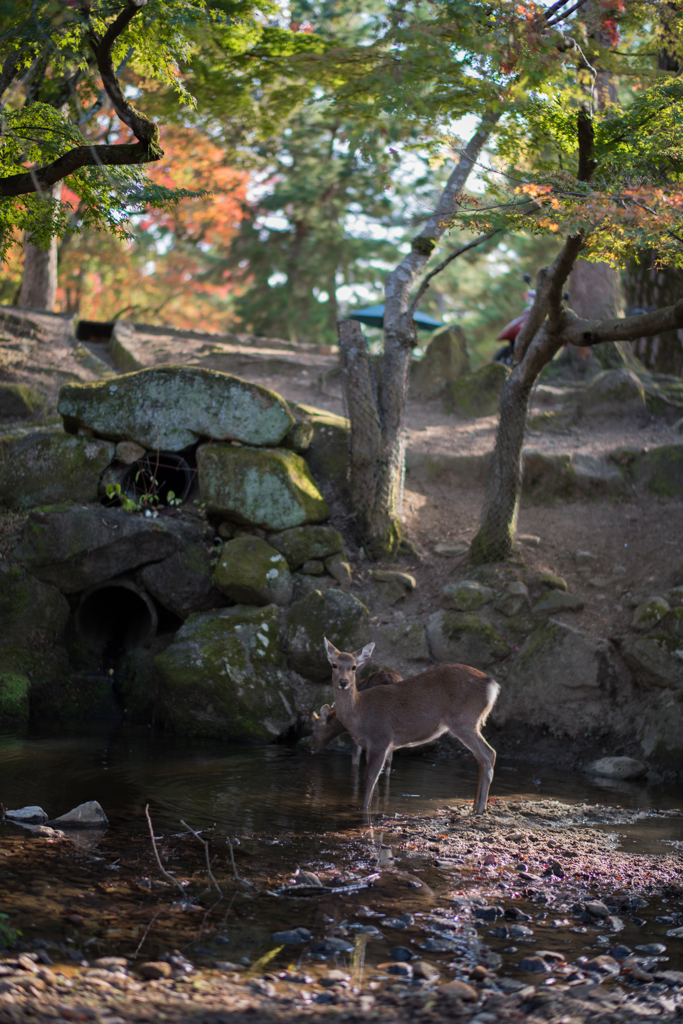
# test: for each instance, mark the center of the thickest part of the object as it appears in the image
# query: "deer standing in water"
(326, 725)
(446, 698)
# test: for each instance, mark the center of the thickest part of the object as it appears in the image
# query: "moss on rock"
(307, 543)
(28, 607)
(327, 454)
(15, 685)
(467, 596)
(269, 488)
(250, 571)
(333, 614)
(20, 400)
(183, 582)
(445, 360)
(171, 407)
(650, 613)
(225, 675)
(465, 639)
(44, 469)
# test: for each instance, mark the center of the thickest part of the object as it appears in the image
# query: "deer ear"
(364, 655)
(332, 652)
(325, 712)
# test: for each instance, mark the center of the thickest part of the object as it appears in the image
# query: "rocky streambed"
(533, 911)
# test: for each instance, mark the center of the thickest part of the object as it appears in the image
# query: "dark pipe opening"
(94, 330)
(159, 473)
(116, 617)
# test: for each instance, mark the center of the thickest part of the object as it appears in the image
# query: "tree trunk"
(649, 287)
(595, 293)
(379, 404)
(39, 277)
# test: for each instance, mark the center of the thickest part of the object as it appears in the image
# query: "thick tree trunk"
(380, 507)
(39, 277)
(595, 293)
(649, 287)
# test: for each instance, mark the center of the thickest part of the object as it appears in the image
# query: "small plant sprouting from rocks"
(8, 935)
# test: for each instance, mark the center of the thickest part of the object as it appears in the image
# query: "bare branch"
(206, 852)
(444, 263)
(156, 854)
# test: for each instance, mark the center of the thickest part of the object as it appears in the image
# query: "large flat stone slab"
(48, 468)
(172, 407)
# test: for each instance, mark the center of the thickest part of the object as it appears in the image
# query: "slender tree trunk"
(378, 502)
(39, 277)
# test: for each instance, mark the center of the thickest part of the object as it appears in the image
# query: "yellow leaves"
(548, 224)
(532, 189)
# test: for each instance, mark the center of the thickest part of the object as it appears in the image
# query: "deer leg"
(375, 760)
(486, 757)
(355, 759)
(387, 763)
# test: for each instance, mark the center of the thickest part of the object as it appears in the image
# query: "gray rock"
(650, 612)
(171, 407)
(584, 558)
(445, 360)
(561, 668)
(87, 815)
(128, 452)
(613, 393)
(270, 488)
(328, 452)
(250, 571)
(478, 393)
(557, 601)
(225, 675)
(28, 815)
(654, 660)
(466, 639)
(675, 597)
(467, 596)
(597, 476)
(29, 608)
(183, 582)
(74, 548)
(596, 908)
(533, 965)
(553, 582)
(292, 937)
(45, 469)
(515, 601)
(660, 470)
(450, 550)
(333, 614)
(307, 542)
(617, 768)
(402, 645)
(340, 570)
(313, 567)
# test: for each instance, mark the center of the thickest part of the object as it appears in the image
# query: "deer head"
(345, 666)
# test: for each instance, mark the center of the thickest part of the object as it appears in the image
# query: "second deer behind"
(446, 698)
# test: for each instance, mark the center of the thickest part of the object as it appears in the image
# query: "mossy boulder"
(467, 596)
(674, 623)
(20, 401)
(75, 696)
(478, 393)
(327, 454)
(171, 407)
(650, 613)
(43, 469)
(401, 646)
(655, 660)
(29, 608)
(183, 582)
(73, 547)
(27, 670)
(553, 582)
(465, 639)
(660, 470)
(548, 475)
(675, 597)
(262, 487)
(225, 675)
(445, 360)
(250, 571)
(333, 614)
(613, 393)
(307, 543)
(515, 600)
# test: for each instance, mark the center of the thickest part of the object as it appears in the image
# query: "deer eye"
(334, 666)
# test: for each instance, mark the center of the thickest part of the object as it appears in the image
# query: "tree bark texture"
(39, 276)
(649, 287)
(595, 293)
(380, 507)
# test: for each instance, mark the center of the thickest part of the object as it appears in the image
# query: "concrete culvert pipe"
(116, 617)
(158, 473)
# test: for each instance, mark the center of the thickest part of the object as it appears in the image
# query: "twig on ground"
(156, 854)
(205, 844)
(146, 931)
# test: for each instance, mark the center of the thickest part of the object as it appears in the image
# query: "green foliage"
(8, 935)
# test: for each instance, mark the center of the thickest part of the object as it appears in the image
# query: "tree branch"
(549, 284)
(576, 331)
(444, 263)
(9, 70)
(145, 150)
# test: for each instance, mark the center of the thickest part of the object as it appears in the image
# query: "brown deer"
(446, 698)
(326, 725)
